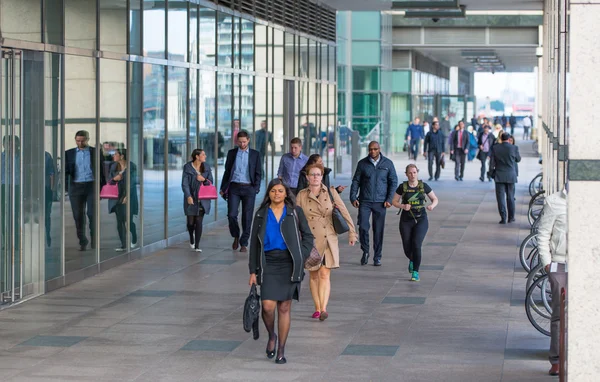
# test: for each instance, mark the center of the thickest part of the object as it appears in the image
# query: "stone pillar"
(454, 80)
(584, 186)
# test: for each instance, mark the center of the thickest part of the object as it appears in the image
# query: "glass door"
(21, 181)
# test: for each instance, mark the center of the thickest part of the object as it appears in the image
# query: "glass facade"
(146, 82)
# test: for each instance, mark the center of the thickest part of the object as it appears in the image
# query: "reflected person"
(196, 173)
(79, 173)
(118, 175)
(49, 193)
(262, 138)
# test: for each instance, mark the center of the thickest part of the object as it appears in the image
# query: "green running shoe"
(415, 276)
(410, 266)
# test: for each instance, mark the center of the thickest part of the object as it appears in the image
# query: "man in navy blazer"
(459, 148)
(503, 167)
(240, 183)
(80, 175)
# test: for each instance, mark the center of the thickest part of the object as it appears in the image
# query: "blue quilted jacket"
(376, 184)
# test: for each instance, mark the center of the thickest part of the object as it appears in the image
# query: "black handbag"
(340, 225)
(252, 312)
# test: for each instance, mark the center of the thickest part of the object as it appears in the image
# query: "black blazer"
(465, 140)
(253, 163)
(503, 163)
(71, 168)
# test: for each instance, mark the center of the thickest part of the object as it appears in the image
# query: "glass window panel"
(154, 28)
(341, 51)
(365, 79)
(53, 166)
(136, 152)
(236, 42)
(322, 115)
(135, 27)
(225, 120)
(193, 25)
(341, 77)
(114, 159)
(154, 153)
(302, 107)
(54, 22)
(177, 147)
(313, 60)
(178, 31)
(366, 53)
(224, 38)
(290, 46)
(206, 125)
(207, 36)
(332, 63)
(303, 57)
(80, 23)
(113, 25)
(80, 207)
(324, 62)
(247, 102)
(21, 20)
(279, 137)
(247, 45)
(366, 25)
(364, 104)
(263, 139)
(278, 51)
(260, 48)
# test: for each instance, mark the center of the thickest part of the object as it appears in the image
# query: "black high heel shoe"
(271, 353)
(280, 360)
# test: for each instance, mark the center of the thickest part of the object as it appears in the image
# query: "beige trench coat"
(318, 213)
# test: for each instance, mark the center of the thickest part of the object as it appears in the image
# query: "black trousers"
(121, 213)
(81, 196)
(413, 233)
(431, 157)
(483, 158)
(378, 210)
(505, 195)
(194, 226)
(459, 163)
(48, 200)
(246, 194)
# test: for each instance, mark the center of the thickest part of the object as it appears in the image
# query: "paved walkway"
(176, 316)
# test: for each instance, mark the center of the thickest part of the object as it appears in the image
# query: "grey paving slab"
(152, 293)
(439, 244)
(404, 300)
(211, 345)
(431, 268)
(57, 341)
(540, 354)
(371, 350)
(218, 261)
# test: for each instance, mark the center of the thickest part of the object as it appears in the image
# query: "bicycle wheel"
(534, 258)
(536, 205)
(535, 306)
(535, 147)
(535, 226)
(527, 245)
(535, 183)
(535, 273)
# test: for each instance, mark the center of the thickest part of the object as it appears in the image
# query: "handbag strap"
(331, 196)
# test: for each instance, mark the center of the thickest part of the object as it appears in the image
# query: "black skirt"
(277, 282)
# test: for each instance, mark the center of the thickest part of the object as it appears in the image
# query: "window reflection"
(303, 57)
(312, 59)
(277, 125)
(136, 155)
(260, 48)
(135, 27)
(226, 126)
(80, 179)
(80, 23)
(54, 22)
(154, 30)
(236, 42)
(324, 72)
(332, 63)
(113, 25)
(178, 31)
(246, 102)
(224, 39)
(290, 56)
(278, 51)
(263, 138)
(21, 20)
(178, 155)
(193, 36)
(247, 44)
(207, 36)
(154, 153)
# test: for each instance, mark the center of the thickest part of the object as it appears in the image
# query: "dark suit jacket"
(504, 162)
(465, 140)
(490, 139)
(71, 167)
(253, 163)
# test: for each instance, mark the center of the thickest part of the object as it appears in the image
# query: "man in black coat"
(240, 183)
(80, 174)
(435, 146)
(485, 142)
(503, 167)
(459, 148)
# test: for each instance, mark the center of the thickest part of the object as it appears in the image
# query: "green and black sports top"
(416, 197)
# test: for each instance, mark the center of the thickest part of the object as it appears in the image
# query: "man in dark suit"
(485, 141)
(241, 183)
(503, 167)
(459, 148)
(80, 164)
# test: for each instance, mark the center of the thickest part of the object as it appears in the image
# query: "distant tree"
(497, 105)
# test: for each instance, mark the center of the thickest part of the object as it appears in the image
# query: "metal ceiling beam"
(424, 4)
(438, 13)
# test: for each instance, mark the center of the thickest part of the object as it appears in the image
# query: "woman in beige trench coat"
(316, 203)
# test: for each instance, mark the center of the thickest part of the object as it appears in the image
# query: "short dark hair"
(82, 133)
(505, 137)
(296, 141)
(243, 134)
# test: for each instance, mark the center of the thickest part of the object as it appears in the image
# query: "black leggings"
(194, 226)
(413, 235)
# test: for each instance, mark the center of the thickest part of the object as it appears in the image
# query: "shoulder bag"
(340, 225)
(110, 191)
(207, 192)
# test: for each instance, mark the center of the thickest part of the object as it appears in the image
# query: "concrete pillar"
(454, 80)
(584, 184)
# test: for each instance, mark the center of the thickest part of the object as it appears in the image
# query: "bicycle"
(536, 205)
(526, 249)
(536, 185)
(537, 304)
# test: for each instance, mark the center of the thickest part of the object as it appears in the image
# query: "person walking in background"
(79, 172)
(372, 191)
(410, 197)
(425, 128)
(263, 138)
(303, 179)
(503, 168)
(472, 144)
(196, 174)
(552, 245)
(460, 149)
(526, 127)
(414, 136)
(240, 183)
(276, 260)
(118, 175)
(318, 202)
(434, 150)
(291, 163)
(445, 128)
(485, 141)
(513, 123)
(497, 133)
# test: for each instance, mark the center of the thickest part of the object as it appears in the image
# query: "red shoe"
(316, 314)
(554, 370)
(323, 316)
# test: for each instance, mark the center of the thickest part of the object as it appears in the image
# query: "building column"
(584, 186)
(454, 80)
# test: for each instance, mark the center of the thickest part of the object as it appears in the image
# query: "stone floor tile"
(56, 341)
(211, 345)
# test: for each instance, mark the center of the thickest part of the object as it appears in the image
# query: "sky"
(492, 85)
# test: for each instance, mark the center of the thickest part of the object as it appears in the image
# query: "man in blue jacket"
(414, 135)
(376, 178)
